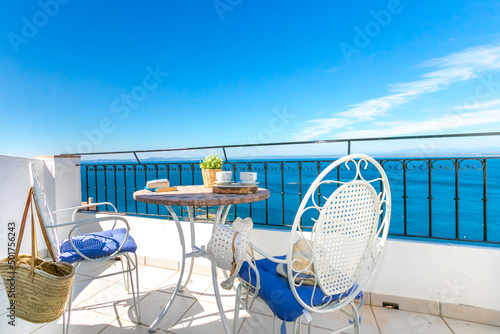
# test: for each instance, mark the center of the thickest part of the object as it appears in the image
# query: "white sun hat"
(228, 246)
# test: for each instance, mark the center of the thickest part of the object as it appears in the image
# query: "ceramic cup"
(224, 176)
(248, 177)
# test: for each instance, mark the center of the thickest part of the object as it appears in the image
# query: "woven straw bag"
(228, 246)
(37, 290)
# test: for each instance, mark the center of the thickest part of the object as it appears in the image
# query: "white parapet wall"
(62, 184)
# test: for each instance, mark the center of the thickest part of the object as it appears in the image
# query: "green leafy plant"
(213, 161)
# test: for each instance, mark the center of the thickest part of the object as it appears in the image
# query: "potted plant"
(209, 166)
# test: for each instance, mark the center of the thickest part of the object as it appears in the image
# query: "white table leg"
(223, 220)
(160, 317)
(193, 246)
(220, 218)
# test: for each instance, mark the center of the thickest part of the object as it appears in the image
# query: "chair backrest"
(350, 229)
(42, 204)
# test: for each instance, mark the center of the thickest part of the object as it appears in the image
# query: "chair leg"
(68, 311)
(126, 277)
(137, 307)
(236, 309)
(135, 289)
(356, 317)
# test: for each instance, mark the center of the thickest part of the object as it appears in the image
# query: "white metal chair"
(94, 247)
(338, 255)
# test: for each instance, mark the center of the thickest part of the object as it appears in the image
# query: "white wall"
(442, 272)
(61, 180)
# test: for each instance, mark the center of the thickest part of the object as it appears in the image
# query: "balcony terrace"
(442, 277)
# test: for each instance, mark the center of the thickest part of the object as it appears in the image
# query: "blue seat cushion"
(95, 245)
(275, 290)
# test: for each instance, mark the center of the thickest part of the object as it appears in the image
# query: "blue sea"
(286, 182)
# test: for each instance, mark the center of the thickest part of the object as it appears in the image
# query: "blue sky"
(91, 76)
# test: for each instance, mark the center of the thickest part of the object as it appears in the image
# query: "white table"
(196, 196)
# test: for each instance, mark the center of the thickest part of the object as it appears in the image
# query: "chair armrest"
(252, 266)
(76, 208)
(272, 258)
(77, 224)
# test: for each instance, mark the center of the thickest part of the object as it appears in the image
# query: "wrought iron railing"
(455, 198)
(452, 198)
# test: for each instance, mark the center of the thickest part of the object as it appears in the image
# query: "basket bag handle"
(34, 251)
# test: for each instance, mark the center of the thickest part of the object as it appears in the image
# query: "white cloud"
(433, 125)
(322, 126)
(478, 105)
(445, 71)
(485, 57)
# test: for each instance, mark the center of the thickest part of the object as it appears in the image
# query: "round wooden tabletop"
(198, 196)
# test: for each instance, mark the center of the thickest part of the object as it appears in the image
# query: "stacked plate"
(248, 183)
(224, 183)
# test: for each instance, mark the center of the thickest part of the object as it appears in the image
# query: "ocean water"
(286, 183)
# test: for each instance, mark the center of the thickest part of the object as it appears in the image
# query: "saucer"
(243, 183)
(223, 183)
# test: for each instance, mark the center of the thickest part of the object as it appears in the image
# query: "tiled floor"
(103, 306)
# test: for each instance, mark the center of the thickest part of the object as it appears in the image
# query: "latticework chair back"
(348, 234)
(343, 235)
(42, 204)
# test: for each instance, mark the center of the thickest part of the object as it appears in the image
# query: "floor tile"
(398, 322)
(110, 267)
(81, 322)
(20, 326)
(465, 327)
(470, 313)
(197, 285)
(227, 296)
(123, 326)
(86, 267)
(154, 303)
(329, 321)
(114, 301)
(150, 278)
(338, 319)
(203, 317)
(104, 306)
(82, 290)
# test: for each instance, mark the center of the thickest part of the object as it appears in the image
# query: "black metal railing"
(442, 198)
(451, 198)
